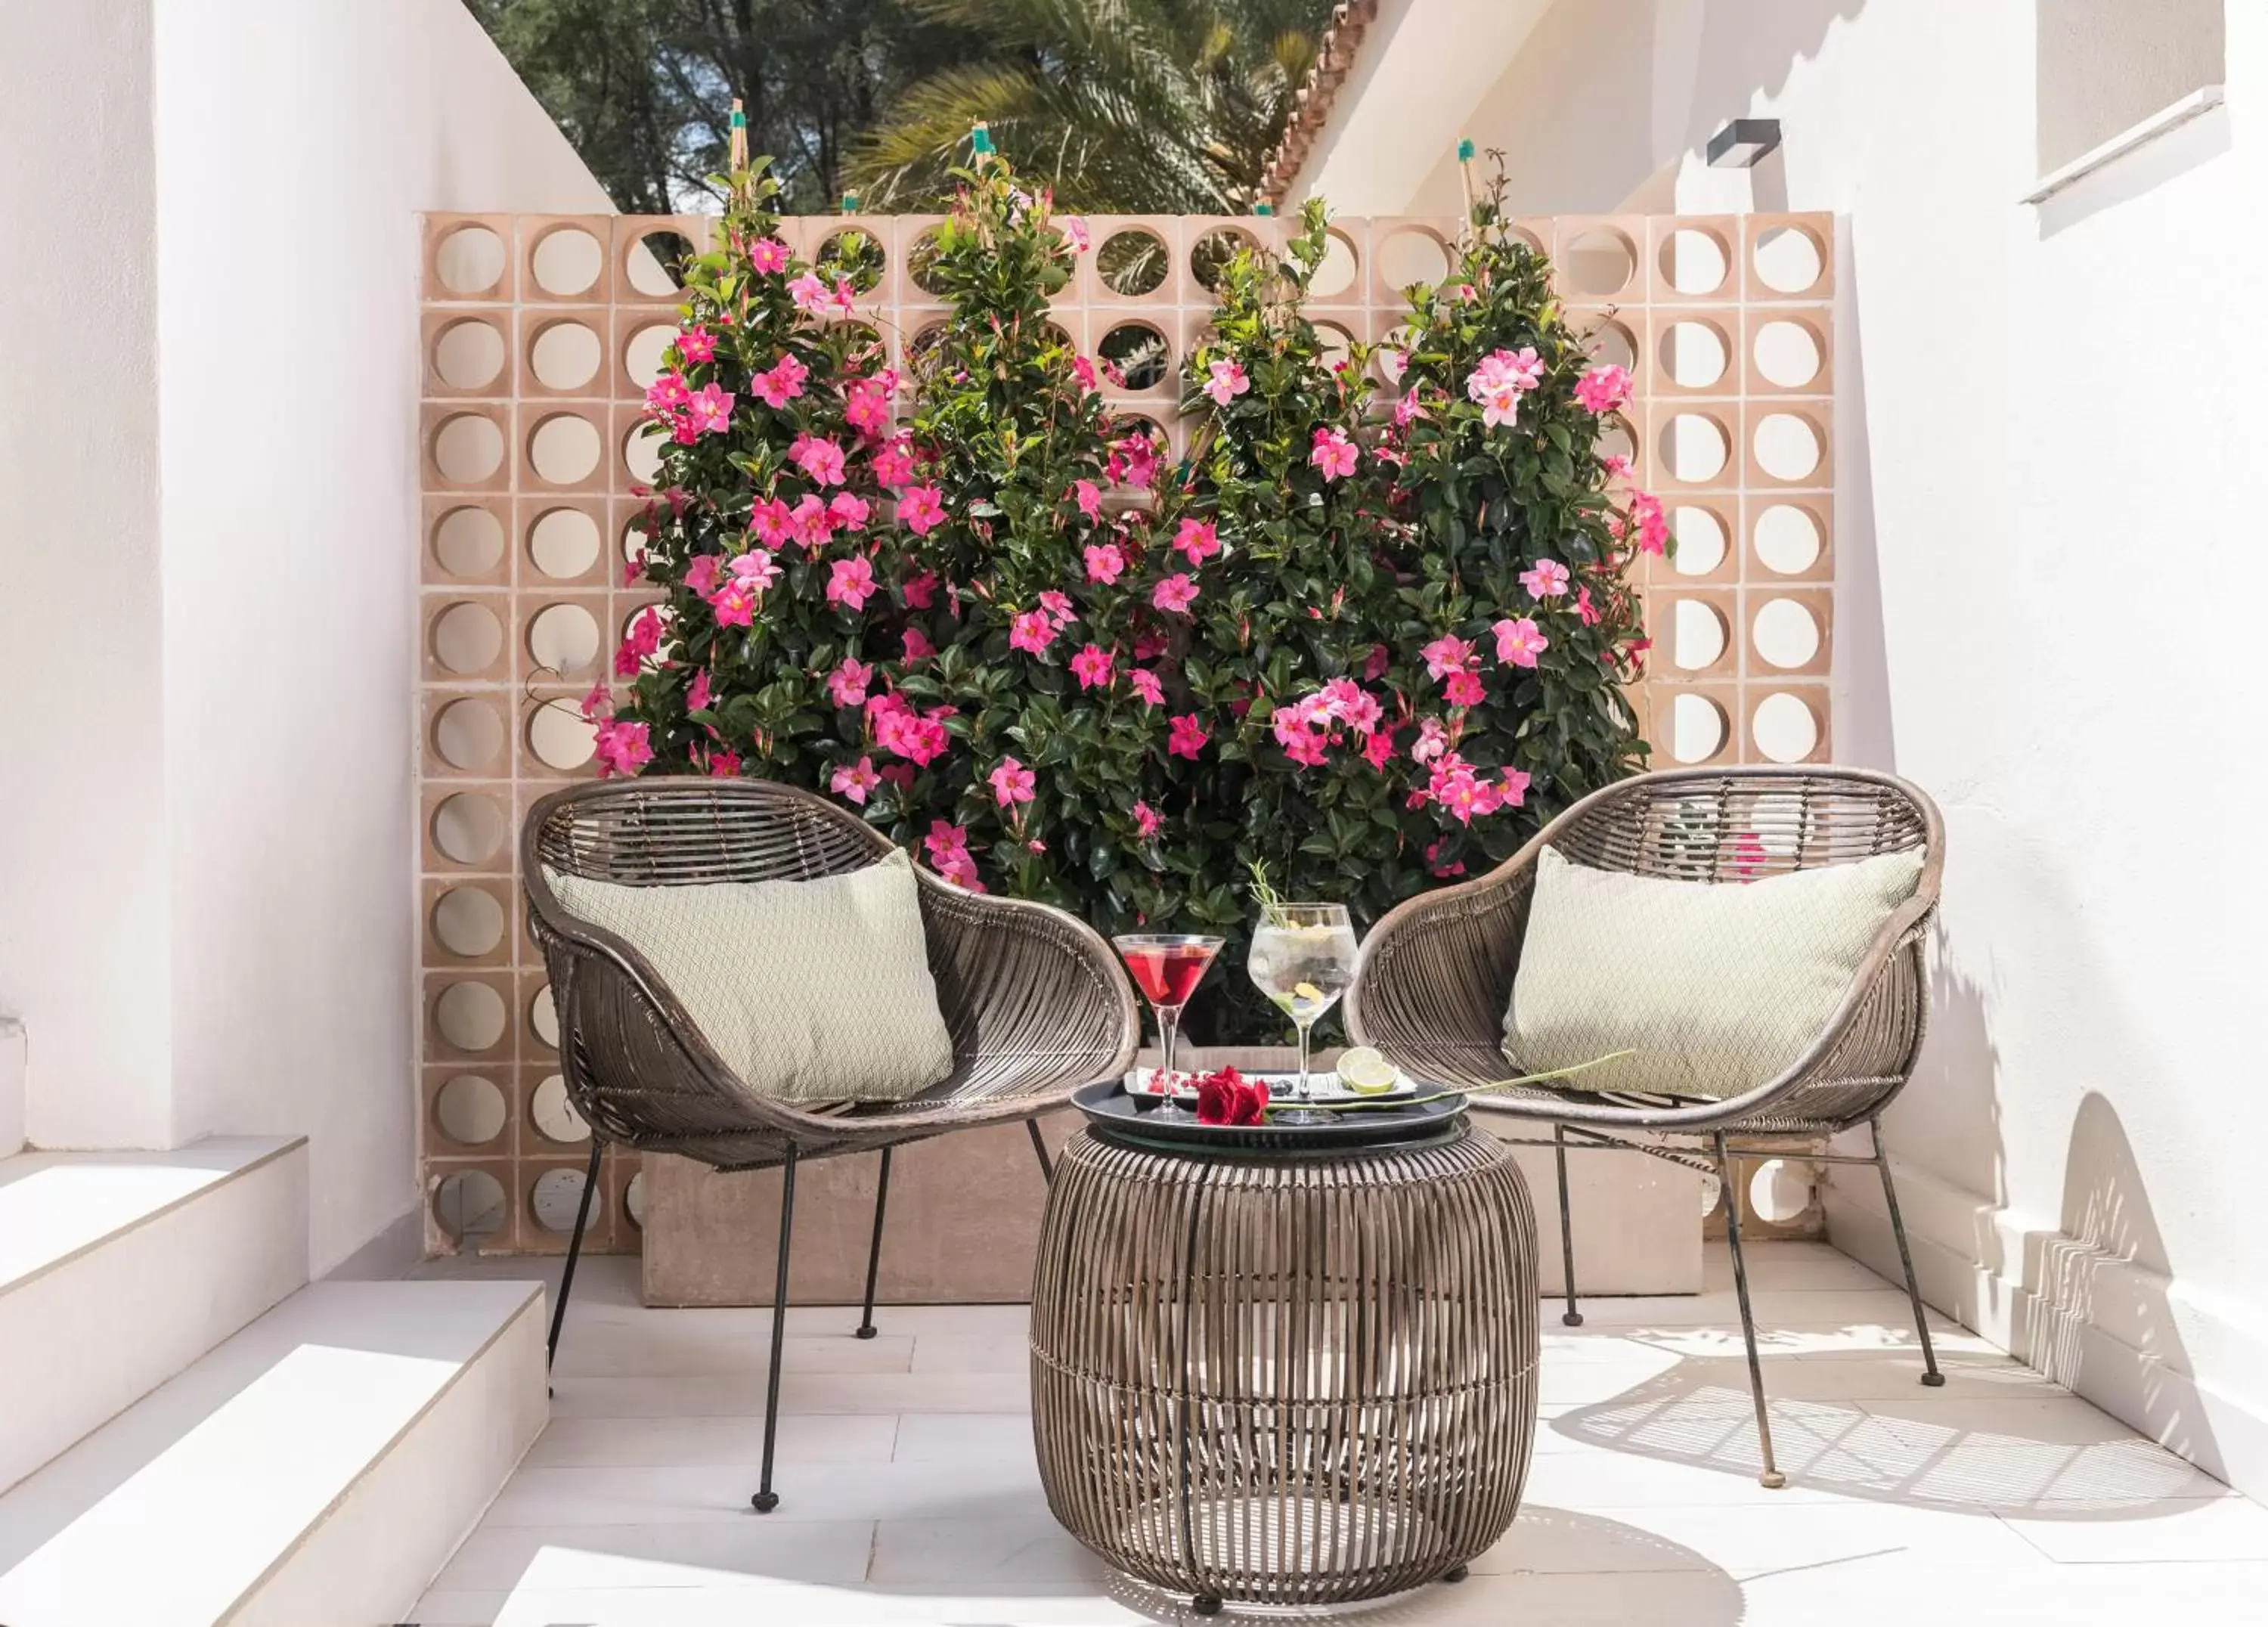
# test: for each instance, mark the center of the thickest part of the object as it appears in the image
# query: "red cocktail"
(1168, 968)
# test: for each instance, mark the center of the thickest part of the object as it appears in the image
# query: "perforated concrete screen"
(541, 332)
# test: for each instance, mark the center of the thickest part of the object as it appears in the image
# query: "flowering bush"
(971, 603)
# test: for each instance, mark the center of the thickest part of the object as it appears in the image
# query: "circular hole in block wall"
(467, 448)
(1698, 636)
(563, 639)
(1600, 261)
(1337, 344)
(564, 543)
(1701, 541)
(923, 350)
(567, 262)
(1693, 355)
(1393, 358)
(1783, 728)
(565, 356)
(1693, 448)
(1712, 1193)
(642, 453)
(553, 1113)
(1787, 354)
(561, 737)
(468, 922)
(564, 448)
(469, 259)
(468, 354)
(1408, 257)
(634, 1200)
(469, 1110)
(1335, 273)
(853, 254)
(643, 355)
(556, 1198)
(1694, 261)
(468, 541)
(1132, 261)
(469, 1205)
(1787, 447)
(471, 1016)
(1786, 633)
(1788, 259)
(1611, 344)
(1210, 256)
(543, 1017)
(921, 262)
(466, 638)
(468, 827)
(1614, 441)
(655, 264)
(469, 735)
(1697, 728)
(1787, 539)
(1140, 353)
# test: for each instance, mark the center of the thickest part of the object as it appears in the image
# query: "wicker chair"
(1436, 973)
(1034, 1000)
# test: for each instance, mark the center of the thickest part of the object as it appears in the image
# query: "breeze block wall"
(541, 332)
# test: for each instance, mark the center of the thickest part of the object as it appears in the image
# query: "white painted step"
(118, 1269)
(318, 1467)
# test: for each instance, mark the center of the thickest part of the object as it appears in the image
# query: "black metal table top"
(1132, 1121)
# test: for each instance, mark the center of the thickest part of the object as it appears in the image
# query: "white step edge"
(320, 1467)
(118, 1269)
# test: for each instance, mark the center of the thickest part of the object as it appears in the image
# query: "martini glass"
(1303, 958)
(1168, 967)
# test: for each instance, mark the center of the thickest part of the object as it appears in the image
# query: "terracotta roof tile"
(1312, 104)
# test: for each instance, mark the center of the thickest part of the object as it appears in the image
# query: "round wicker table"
(1285, 1375)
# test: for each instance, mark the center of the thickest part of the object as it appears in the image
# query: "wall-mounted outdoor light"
(1741, 143)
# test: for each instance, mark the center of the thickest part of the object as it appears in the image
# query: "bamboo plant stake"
(1465, 179)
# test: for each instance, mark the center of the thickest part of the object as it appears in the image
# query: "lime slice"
(1365, 1072)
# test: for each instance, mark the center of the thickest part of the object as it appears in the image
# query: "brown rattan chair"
(1035, 1002)
(1436, 973)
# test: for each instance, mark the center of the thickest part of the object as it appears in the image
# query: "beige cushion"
(1717, 988)
(809, 991)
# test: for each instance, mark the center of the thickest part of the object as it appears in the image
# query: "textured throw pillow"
(1717, 988)
(809, 991)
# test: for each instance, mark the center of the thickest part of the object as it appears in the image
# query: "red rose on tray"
(1226, 1097)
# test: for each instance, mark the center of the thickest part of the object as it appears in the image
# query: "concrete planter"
(964, 1216)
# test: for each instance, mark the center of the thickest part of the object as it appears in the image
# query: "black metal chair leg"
(1040, 1146)
(766, 1499)
(1771, 1479)
(574, 1253)
(874, 1248)
(1930, 1376)
(1573, 1317)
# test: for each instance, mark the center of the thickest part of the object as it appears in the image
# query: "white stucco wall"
(2050, 580)
(296, 141)
(83, 852)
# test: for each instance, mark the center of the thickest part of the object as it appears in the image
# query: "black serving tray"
(1134, 1121)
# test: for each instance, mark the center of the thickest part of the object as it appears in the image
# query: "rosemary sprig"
(1467, 1090)
(1271, 904)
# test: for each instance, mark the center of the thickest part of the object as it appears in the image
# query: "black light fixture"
(1742, 143)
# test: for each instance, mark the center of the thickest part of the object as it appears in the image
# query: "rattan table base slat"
(1286, 1381)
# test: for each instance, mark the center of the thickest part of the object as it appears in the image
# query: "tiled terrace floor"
(910, 1495)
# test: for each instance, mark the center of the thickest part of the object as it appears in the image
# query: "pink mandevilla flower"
(723, 763)
(768, 255)
(1059, 607)
(1604, 388)
(922, 509)
(1145, 821)
(1199, 539)
(1031, 631)
(698, 344)
(918, 644)
(768, 520)
(894, 463)
(1187, 736)
(1515, 787)
(668, 394)
(846, 685)
(710, 411)
(1518, 643)
(849, 583)
(1176, 594)
(809, 294)
(847, 512)
(1464, 689)
(920, 591)
(697, 695)
(1444, 655)
(754, 571)
(1012, 783)
(1092, 666)
(1227, 382)
(622, 748)
(810, 524)
(1332, 453)
(701, 575)
(1089, 497)
(855, 780)
(1147, 687)
(1104, 562)
(1546, 579)
(818, 457)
